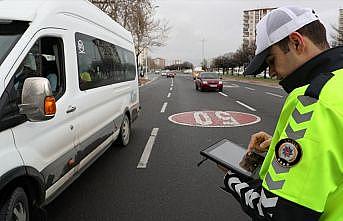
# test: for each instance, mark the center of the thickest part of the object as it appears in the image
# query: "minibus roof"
(31, 10)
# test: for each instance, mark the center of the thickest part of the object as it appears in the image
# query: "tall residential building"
(340, 27)
(177, 61)
(159, 63)
(250, 19)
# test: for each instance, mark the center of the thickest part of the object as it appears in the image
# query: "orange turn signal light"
(50, 105)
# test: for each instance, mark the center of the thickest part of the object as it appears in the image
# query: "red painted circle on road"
(214, 119)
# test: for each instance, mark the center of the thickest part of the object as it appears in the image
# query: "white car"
(69, 88)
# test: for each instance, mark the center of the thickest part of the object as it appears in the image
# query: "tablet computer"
(230, 155)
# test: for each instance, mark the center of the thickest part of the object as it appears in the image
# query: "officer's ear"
(297, 42)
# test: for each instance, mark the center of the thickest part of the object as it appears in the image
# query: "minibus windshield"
(10, 33)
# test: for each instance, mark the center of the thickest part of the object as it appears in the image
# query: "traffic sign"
(214, 119)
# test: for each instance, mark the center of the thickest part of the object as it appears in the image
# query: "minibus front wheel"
(15, 207)
(125, 132)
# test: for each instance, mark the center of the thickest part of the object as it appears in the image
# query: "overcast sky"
(220, 23)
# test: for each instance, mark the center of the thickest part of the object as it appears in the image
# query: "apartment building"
(250, 19)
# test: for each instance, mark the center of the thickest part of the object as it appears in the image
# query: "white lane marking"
(249, 88)
(171, 89)
(250, 108)
(225, 95)
(147, 150)
(232, 85)
(169, 95)
(164, 107)
(276, 95)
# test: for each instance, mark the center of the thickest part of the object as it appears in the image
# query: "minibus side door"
(48, 146)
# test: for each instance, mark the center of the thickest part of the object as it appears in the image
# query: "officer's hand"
(224, 169)
(259, 142)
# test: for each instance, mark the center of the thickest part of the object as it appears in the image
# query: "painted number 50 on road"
(214, 119)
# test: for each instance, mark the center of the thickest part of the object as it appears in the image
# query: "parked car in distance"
(208, 81)
(163, 73)
(187, 71)
(171, 74)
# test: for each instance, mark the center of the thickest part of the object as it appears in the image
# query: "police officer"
(302, 175)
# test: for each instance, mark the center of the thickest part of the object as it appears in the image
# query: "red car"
(208, 81)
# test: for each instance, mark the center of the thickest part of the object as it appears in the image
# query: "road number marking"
(214, 119)
(226, 118)
(202, 118)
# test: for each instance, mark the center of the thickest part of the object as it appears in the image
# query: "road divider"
(163, 109)
(247, 106)
(225, 95)
(275, 95)
(143, 162)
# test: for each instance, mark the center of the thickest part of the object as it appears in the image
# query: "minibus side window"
(102, 63)
(45, 59)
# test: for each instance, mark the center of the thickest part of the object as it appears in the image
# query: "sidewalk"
(142, 81)
(252, 80)
(146, 79)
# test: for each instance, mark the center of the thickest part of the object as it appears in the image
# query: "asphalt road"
(171, 187)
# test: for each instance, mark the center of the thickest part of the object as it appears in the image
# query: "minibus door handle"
(71, 109)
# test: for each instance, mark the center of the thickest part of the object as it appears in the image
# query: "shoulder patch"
(288, 152)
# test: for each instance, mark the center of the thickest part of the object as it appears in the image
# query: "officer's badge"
(288, 152)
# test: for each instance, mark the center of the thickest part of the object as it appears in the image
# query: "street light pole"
(203, 43)
(146, 62)
(203, 51)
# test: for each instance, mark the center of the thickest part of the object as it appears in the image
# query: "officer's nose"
(272, 71)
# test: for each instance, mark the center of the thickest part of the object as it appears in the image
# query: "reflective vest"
(304, 163)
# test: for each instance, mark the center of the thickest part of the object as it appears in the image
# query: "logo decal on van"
(81, 47)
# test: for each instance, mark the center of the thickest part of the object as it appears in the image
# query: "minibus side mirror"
(38, 103)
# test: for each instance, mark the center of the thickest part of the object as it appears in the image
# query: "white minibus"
(68, 90)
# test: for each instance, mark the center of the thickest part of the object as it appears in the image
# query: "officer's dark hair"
(315, 31)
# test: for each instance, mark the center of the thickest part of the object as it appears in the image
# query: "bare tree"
(147, 32)
(137, 16)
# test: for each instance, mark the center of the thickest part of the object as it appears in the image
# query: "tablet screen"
(229, 155)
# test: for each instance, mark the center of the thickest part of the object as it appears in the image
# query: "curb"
(147, 82)
(273, 85)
